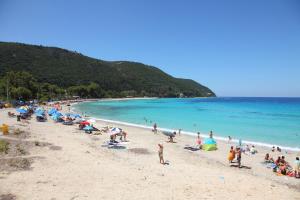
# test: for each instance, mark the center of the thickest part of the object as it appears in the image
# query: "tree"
(21, 93)
(95, 91)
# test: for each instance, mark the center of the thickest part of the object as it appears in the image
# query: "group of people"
(235, 153)
(282, 167)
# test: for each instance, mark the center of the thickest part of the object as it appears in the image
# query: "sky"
(234, 47)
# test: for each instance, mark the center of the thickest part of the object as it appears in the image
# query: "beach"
(65, 163)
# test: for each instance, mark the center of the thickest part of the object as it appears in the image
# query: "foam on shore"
(218, 138)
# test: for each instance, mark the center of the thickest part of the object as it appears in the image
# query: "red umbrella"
(85, 123)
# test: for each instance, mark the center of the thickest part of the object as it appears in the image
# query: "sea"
(254, 120)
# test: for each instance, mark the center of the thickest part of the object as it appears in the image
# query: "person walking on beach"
(161, 153)
(154, 128)
(231, 154)
(239, 156)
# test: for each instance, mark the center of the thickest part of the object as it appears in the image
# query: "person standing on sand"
(179, 131)
(154, 128)
(239, 156)
(211, 134)
(229, 139)
(198, 141)
(231, 154)
(161, 153)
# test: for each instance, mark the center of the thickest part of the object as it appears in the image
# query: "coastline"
(84, 168)
(192, 134)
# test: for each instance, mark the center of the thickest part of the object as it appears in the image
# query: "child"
(160, 153)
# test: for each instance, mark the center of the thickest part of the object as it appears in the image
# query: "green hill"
(65, 69)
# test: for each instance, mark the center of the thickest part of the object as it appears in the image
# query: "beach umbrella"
(91, 120)
(22, 111)
(85, 123)
(88, 128)
(115, 131)
(39, 111)
(168, 133)
(209, 144)
(24, 108)
(51, 111)
(40, 115)
(77, 116)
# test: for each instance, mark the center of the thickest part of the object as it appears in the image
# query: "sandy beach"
(52, 161)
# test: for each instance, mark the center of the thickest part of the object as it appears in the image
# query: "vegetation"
(37, 72)
(4, 146)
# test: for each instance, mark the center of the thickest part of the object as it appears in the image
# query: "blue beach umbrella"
(88, 128)
(56, 115)
(39, 115)
(75, 116)
(39, 111)
(22, 111)
(51, 111)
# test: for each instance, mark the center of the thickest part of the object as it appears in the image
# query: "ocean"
(262, 121)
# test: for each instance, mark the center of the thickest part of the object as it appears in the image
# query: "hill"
(66, 69)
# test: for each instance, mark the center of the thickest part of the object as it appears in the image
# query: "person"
(240, 142)
(179, 131)
(229, 138)
(231, 154)
(297, 167)
(278, 149)
(277, 162)
(211, 134)
(172, 136)
(282, 161)
(268, 159)
(253, 150)
(123, 134)
(239, 156)
(273, 149)
(161, 153)
(198, 142)
(154, 128)
(198, 133)
(113, 138)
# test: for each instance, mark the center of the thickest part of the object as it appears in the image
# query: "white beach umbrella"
(115, 131)
(92, 120)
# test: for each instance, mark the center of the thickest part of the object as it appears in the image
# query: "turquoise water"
(265, 120)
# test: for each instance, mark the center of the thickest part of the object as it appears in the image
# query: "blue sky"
(237, 48)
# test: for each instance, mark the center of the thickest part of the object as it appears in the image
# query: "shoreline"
(188, 133)
(134, 170)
